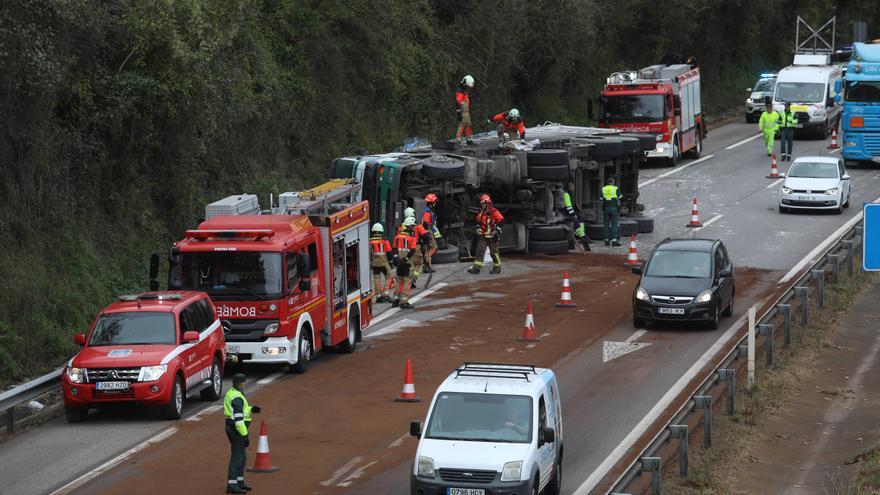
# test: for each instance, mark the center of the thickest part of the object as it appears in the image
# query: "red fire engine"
(285, 284)
(660, 99)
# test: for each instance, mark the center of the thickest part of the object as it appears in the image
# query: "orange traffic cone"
(529, 333)
(408, 394)
(565, 299)
(633, 257)
(774, 170)
(263, 463)
(695, 216)
(833, 145)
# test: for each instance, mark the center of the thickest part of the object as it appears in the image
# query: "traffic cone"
(408, 394)
(633, 257)
(565, 299)
(774, 170)
(529, 333)
(263, 463)
(695, 216)
(833, 145)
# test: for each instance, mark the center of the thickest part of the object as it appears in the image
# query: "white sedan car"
(815, 182)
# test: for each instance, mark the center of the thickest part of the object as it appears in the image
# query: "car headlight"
(76, 375)
(641, 294)
(152, 373)
(786, 190)
(426, 466)
(704, 296)
(849, 143)
(512, 471)
(271, 328)
(817, 111)
(659, 137)
(833, 190)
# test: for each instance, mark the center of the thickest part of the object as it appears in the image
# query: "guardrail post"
(681, 433)
(10, 420)
(785, 310)
(802, 293)
(766, 330)
(728, 376)
(819, 275)
(704, 402)
(742, 351)
(835, 267)
(848, 245)
(652, 465)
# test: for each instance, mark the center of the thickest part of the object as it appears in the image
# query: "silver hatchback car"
(815, 182)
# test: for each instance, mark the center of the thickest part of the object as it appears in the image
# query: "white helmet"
(409, 213)
(409, 221)
(513, 114)
(377, 227)
(468, 81)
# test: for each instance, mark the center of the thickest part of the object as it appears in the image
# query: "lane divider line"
(348, 466)
(708, 222)
(835, 150)
(744, 141)
(675, 170)
(271, 378)
(208, 410)
(774, 183)
(416, 298)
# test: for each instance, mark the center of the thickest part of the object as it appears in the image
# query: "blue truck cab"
(861, 105)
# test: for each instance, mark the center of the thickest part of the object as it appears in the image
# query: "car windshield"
(634, 108)
(240, 273)
(813, 170)
(481, 418)
(863, 91)
(764, 85)
(134, 328)
(682, 264)
(797, 92)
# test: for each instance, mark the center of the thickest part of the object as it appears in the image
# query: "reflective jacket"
(788, 119)
(462, 96)
(569, 206)
(518, 127)
(379, 246)
(405, 244)
(610, 196)
(488, 220)
(237, 410)
(769, 121)
(429, 221)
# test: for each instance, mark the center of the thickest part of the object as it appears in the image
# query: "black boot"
(235, 489)
(586, 244)
(427, 269)
(615, 243)
(396, 303)
(244, 486)
(607, 242)
(495, 270)
(470, 141)
(474, 270)
(406, 305)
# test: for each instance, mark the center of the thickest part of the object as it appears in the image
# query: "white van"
(492, 429)
(809, 85)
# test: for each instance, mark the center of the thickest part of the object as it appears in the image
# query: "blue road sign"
(871, 232)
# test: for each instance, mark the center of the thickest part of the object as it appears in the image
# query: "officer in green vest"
(611, 212)
(787, 123)
(577, 222)
(769, 124)
(238, 418)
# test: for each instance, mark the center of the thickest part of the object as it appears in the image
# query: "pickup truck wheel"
(304, 354)
(214, 392)
(449, 254)
(75, 414)
(548, 247)
(350, 343)
(174, 408)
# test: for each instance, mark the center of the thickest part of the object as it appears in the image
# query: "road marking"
(708, 223)
(271, 378)
(94, 473)
(744, 141)
(675, 170)
(416, 298)
(399, 441)
(348, 466)
(775, 182)
(208, 410)
(835, 150)
(392, 328)
(613, 350)
(357, 474)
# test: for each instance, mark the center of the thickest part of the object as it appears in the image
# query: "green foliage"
(123, 118)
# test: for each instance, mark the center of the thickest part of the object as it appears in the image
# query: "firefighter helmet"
(485, 200)
(377, 227)
(431, 198)
(468, 81)
(409, 213)
(409, 221)
(513, 115)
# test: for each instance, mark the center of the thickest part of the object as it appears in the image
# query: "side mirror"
(725, 273)
(845, 177)
(154, 272)
(190, 337)
(590, 109)
(838, 86)
(637, 269)
(305, 284)
(829, 102)
(79, 338)
(415, 428)
(305, 263)
(549, 435)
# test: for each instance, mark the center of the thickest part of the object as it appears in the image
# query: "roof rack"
(150, 296)
(496, 370)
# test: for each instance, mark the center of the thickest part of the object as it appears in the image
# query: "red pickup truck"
(153, 349)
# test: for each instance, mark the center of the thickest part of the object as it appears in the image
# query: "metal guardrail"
(649, 461)
(27, 391)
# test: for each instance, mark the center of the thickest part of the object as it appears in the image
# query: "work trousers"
(768, 140)
(502, 130)
(786, 141)
(482, 244)
(381, 267)
(610, 226)
(418, 262)
(464, 127)
(238, 458)
(404, 280)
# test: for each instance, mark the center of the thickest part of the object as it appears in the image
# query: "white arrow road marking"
(612, 350)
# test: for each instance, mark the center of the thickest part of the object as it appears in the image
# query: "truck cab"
(808, 84)
(861, 105)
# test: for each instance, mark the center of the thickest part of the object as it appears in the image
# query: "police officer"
(611, 212)
(380, 261)
(405, 247)
(768, 124)
(577, 222)
(488, 234)
(238, 418)
(787, 123)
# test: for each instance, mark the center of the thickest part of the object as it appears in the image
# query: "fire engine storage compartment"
(239, 204)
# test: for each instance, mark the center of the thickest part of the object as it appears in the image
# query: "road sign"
(871, 239)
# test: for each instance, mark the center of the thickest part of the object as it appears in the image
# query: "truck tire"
(547, 157)
(606, 149)
(548, 247)
(443, 167)
(647, 141)
(645, 224)
(349, 345)
(75, 414)
(174, 408)
(698, 148)
(628, 227)
(548, 233)
(215, 390)
(595, 231)
(448, 255)
(549, 172)
(304, 353)
(676, 153)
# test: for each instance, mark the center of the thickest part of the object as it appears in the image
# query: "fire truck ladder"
(320, 199)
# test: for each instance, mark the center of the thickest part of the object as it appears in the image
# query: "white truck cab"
(492, 429)
(808, 85)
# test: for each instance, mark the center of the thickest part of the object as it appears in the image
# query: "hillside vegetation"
(121, 119)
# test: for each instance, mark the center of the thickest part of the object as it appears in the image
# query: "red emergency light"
(229, 234)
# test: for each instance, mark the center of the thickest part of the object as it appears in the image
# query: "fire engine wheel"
(676, 153)
(549, 172)
(548, 247)
(350, 343)
(75, 414)
(548, 157)
(449, 254)
(698, 149)
(304, 353)
(443, 167)
(645, 224)
(214, 392)
(548, 233)
(174, 408)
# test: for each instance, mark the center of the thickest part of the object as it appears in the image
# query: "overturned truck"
(526, 183)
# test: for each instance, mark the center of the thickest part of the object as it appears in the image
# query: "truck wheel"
(304, 354)
(350, 344)
(548, 233)
(628, 227)
(75, 414)
(549, 172)
(548, 157)
(443, 167)
(174, 408)
(698, 149)
(595, 231)
(548, 247)
(676, 154)
(449, 254)
(645, 224)
(214, 392)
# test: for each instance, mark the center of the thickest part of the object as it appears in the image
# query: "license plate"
(111, 385)
(465, 491)
(232, 349)
(805, 198)
(670, 311)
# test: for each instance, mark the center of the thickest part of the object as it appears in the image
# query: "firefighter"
(577, 221)
(429, 222)
(787, 123)
(423, 241)
(238, 418)
(488, 234)
(611, 212)
(768, 124)
(463, 109)
(405, 248)
(380, 261)
(509, 122)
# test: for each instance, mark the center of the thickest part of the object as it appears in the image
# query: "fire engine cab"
(287, 282)
(660, 99)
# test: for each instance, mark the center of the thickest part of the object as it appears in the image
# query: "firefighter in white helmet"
(405, 247)
(510, 123)
(463, 109)
(380, 261)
